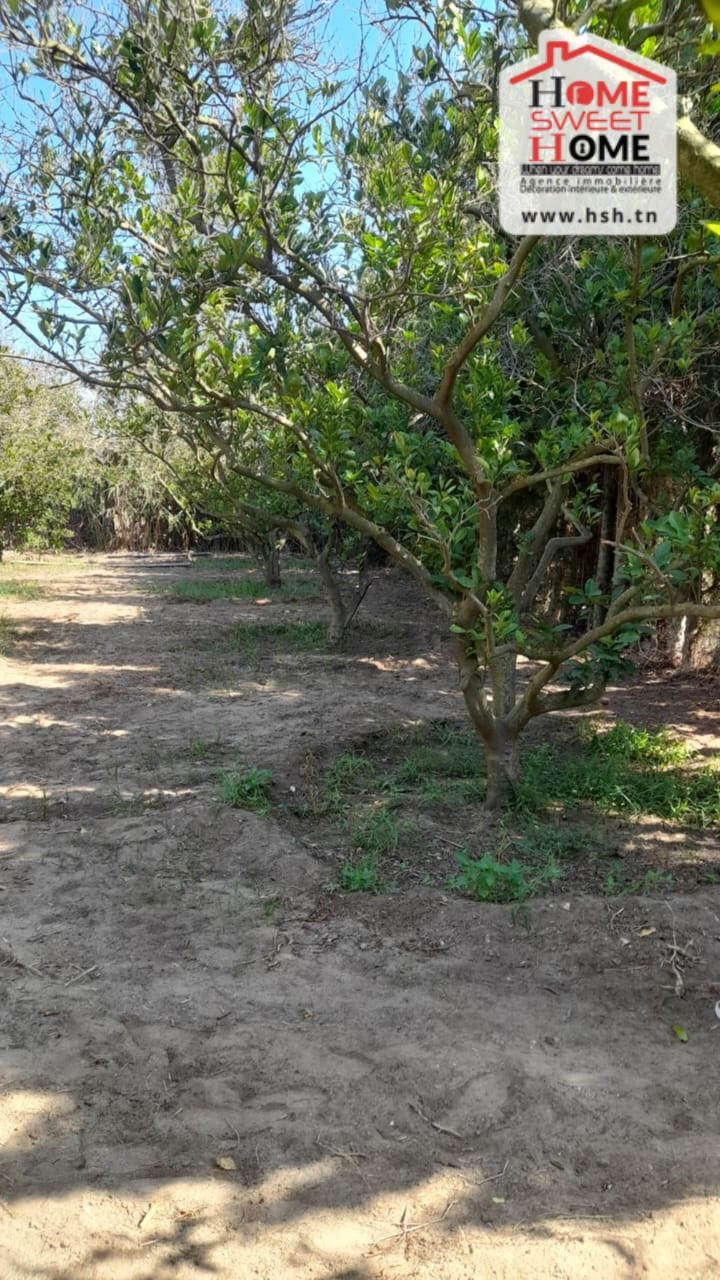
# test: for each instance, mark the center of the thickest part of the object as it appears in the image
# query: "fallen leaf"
(498, 1200)
(226, 1163)
(680, 1033)
(646, 933)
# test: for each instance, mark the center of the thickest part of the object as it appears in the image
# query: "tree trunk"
(605, 563)
(333, 595)
(271, 564)
(503, 769)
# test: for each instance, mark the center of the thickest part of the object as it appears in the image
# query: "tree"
(46, 459)
(203, 480)
(309, 269)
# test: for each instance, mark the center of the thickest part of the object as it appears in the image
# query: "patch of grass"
(8, 635)
(362, 875)
(350, 774)
(238, 588)
(199, 748)
(218, 589)
(377, 834)
(451, 753)
(16, 589)
(247, 638)
(247, 790)
(624, 771)
(403, 800)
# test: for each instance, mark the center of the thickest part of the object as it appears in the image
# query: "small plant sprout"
(247, 790)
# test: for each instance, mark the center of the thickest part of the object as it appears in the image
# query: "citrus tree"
(305, 265)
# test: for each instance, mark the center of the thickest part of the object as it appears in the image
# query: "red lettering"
(540, 120)
(605, 93)
(639, 94)
(580, 93)
(619, 122)
(537, 146)
(562, 122)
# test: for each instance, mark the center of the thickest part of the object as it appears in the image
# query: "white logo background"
(587, 141)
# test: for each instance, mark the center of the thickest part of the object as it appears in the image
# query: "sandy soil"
(210, 1069)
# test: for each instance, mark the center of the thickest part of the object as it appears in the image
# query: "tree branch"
(569, 468)
(490, 314)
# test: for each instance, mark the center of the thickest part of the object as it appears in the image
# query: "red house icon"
(561, 49)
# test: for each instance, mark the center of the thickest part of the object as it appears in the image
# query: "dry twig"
(678, 956)
(406, 1228)
(441, 1128)
(78, 976)
(351, 1156)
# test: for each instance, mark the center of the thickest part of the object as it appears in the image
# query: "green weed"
(350, 774)
(489, 880)
(246, 790)
(562, 819)
(199, 748)
(362, 875)
(618, 883)
(656, 882)
(377, 834)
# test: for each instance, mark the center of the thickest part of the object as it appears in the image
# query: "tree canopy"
(301, 264)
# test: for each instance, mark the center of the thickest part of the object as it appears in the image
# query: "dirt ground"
(212, 1067)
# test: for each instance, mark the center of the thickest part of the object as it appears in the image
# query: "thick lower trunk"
(271, 566)
(503, 770)
(489, 714)
(683, 632)
(333, 595)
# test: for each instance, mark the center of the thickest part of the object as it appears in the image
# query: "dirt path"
(208, 1069)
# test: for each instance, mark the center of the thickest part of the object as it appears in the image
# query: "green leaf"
(712, 10)
(712, 226)
(680, 1033)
